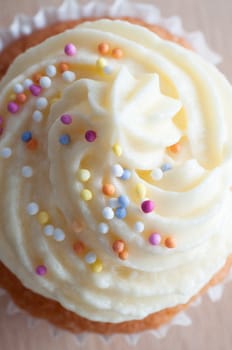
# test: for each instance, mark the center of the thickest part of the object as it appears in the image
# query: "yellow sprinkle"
(101, 63)
(83, 175)
(86, 195)
(43, 217)
(12, 97)
(117, 149)
(141, 190)
(97, 266)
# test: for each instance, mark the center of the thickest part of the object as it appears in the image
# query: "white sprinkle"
(49, 230)
(27, 83)
(157, 174)
(108, 70)
(6, 152)
(103, 228)
(32, 208)
(18, 88)
(51, 70)
(59, 234)
(139, 226)
(90, 258)
(113, 203)
(41, 103)
(69, 76)
(117, 170)
(27, 171)
(45, 82)
(108, 213)
(37, 116)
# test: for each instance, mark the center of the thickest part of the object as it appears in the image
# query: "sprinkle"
(113, 203)
(90, 135)
(118, 246)
(121, 213)
(32, 144)
(101, 63)
(35, 89)
(90, 258)
(12, 97)
(69, 76)
(141, 190)
(26, 136)
(48, 230)
(83, 175)
(117, 170)
(6, 152)
(32, 208)
(13, 107)
(51, 70)
(1, 120)
(45, 82)
(97, 266)
(63, 67)
(27, 83)
(170, 242)
(66, 119)
(79, 248)
(139, 227)
(123, 255)
(70, 49)
(123, 201)
(41, 270)
(36, 77)
(108, 70)
(175, 148)
(108, 189)
(154, 239)
(41, 103)
(108, 213)
(166, 167)
(18, 88)
(43, 217)
(27, 171)
(157, 174)
(126, 174)
(103, 228)
(64, 139)
(117, 149)
(86, 195)
(21, 98)
(37, 116)
(58, 235)
(147, 206)
(117, 53)
(103, 48)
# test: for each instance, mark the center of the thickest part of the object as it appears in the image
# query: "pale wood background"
(212, 322)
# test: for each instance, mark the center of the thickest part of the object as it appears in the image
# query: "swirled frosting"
(115, 171)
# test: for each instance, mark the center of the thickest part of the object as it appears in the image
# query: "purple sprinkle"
(155, 239)
(35, 89)
(70, 50)
(66, 119)
(90, 135)
(41, 270)
(147, 206)
(13, 107)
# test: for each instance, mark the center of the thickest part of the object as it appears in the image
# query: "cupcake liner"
(74, 9)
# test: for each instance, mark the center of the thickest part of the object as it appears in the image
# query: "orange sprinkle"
(103, 48)
(108, 189)
(175, 148)
(117, 53)
(79, 247)
(32, 144)
(63, 67)
(21, 98)
(118, 246)
(123, 255)
(36, 77)
(170, 242)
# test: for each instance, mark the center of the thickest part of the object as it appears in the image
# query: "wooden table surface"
(212, 322)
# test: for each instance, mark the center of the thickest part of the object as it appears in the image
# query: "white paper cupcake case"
(147, 11)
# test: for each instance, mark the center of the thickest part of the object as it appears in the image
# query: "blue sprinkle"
(166, 167)
(126, 174)
(64, 139)
(123, 201)
(120, 213)
(26, 136)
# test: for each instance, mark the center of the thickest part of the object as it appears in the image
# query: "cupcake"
(115, 173)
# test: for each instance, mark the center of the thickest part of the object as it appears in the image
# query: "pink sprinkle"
(90, 135)
(35, 89)
(1, 120)
(66, 119)
(147, 206)
(41, 270)
(70, 50)
(155, 239)
(13, 107)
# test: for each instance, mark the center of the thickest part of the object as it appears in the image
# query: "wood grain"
(211, 321)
